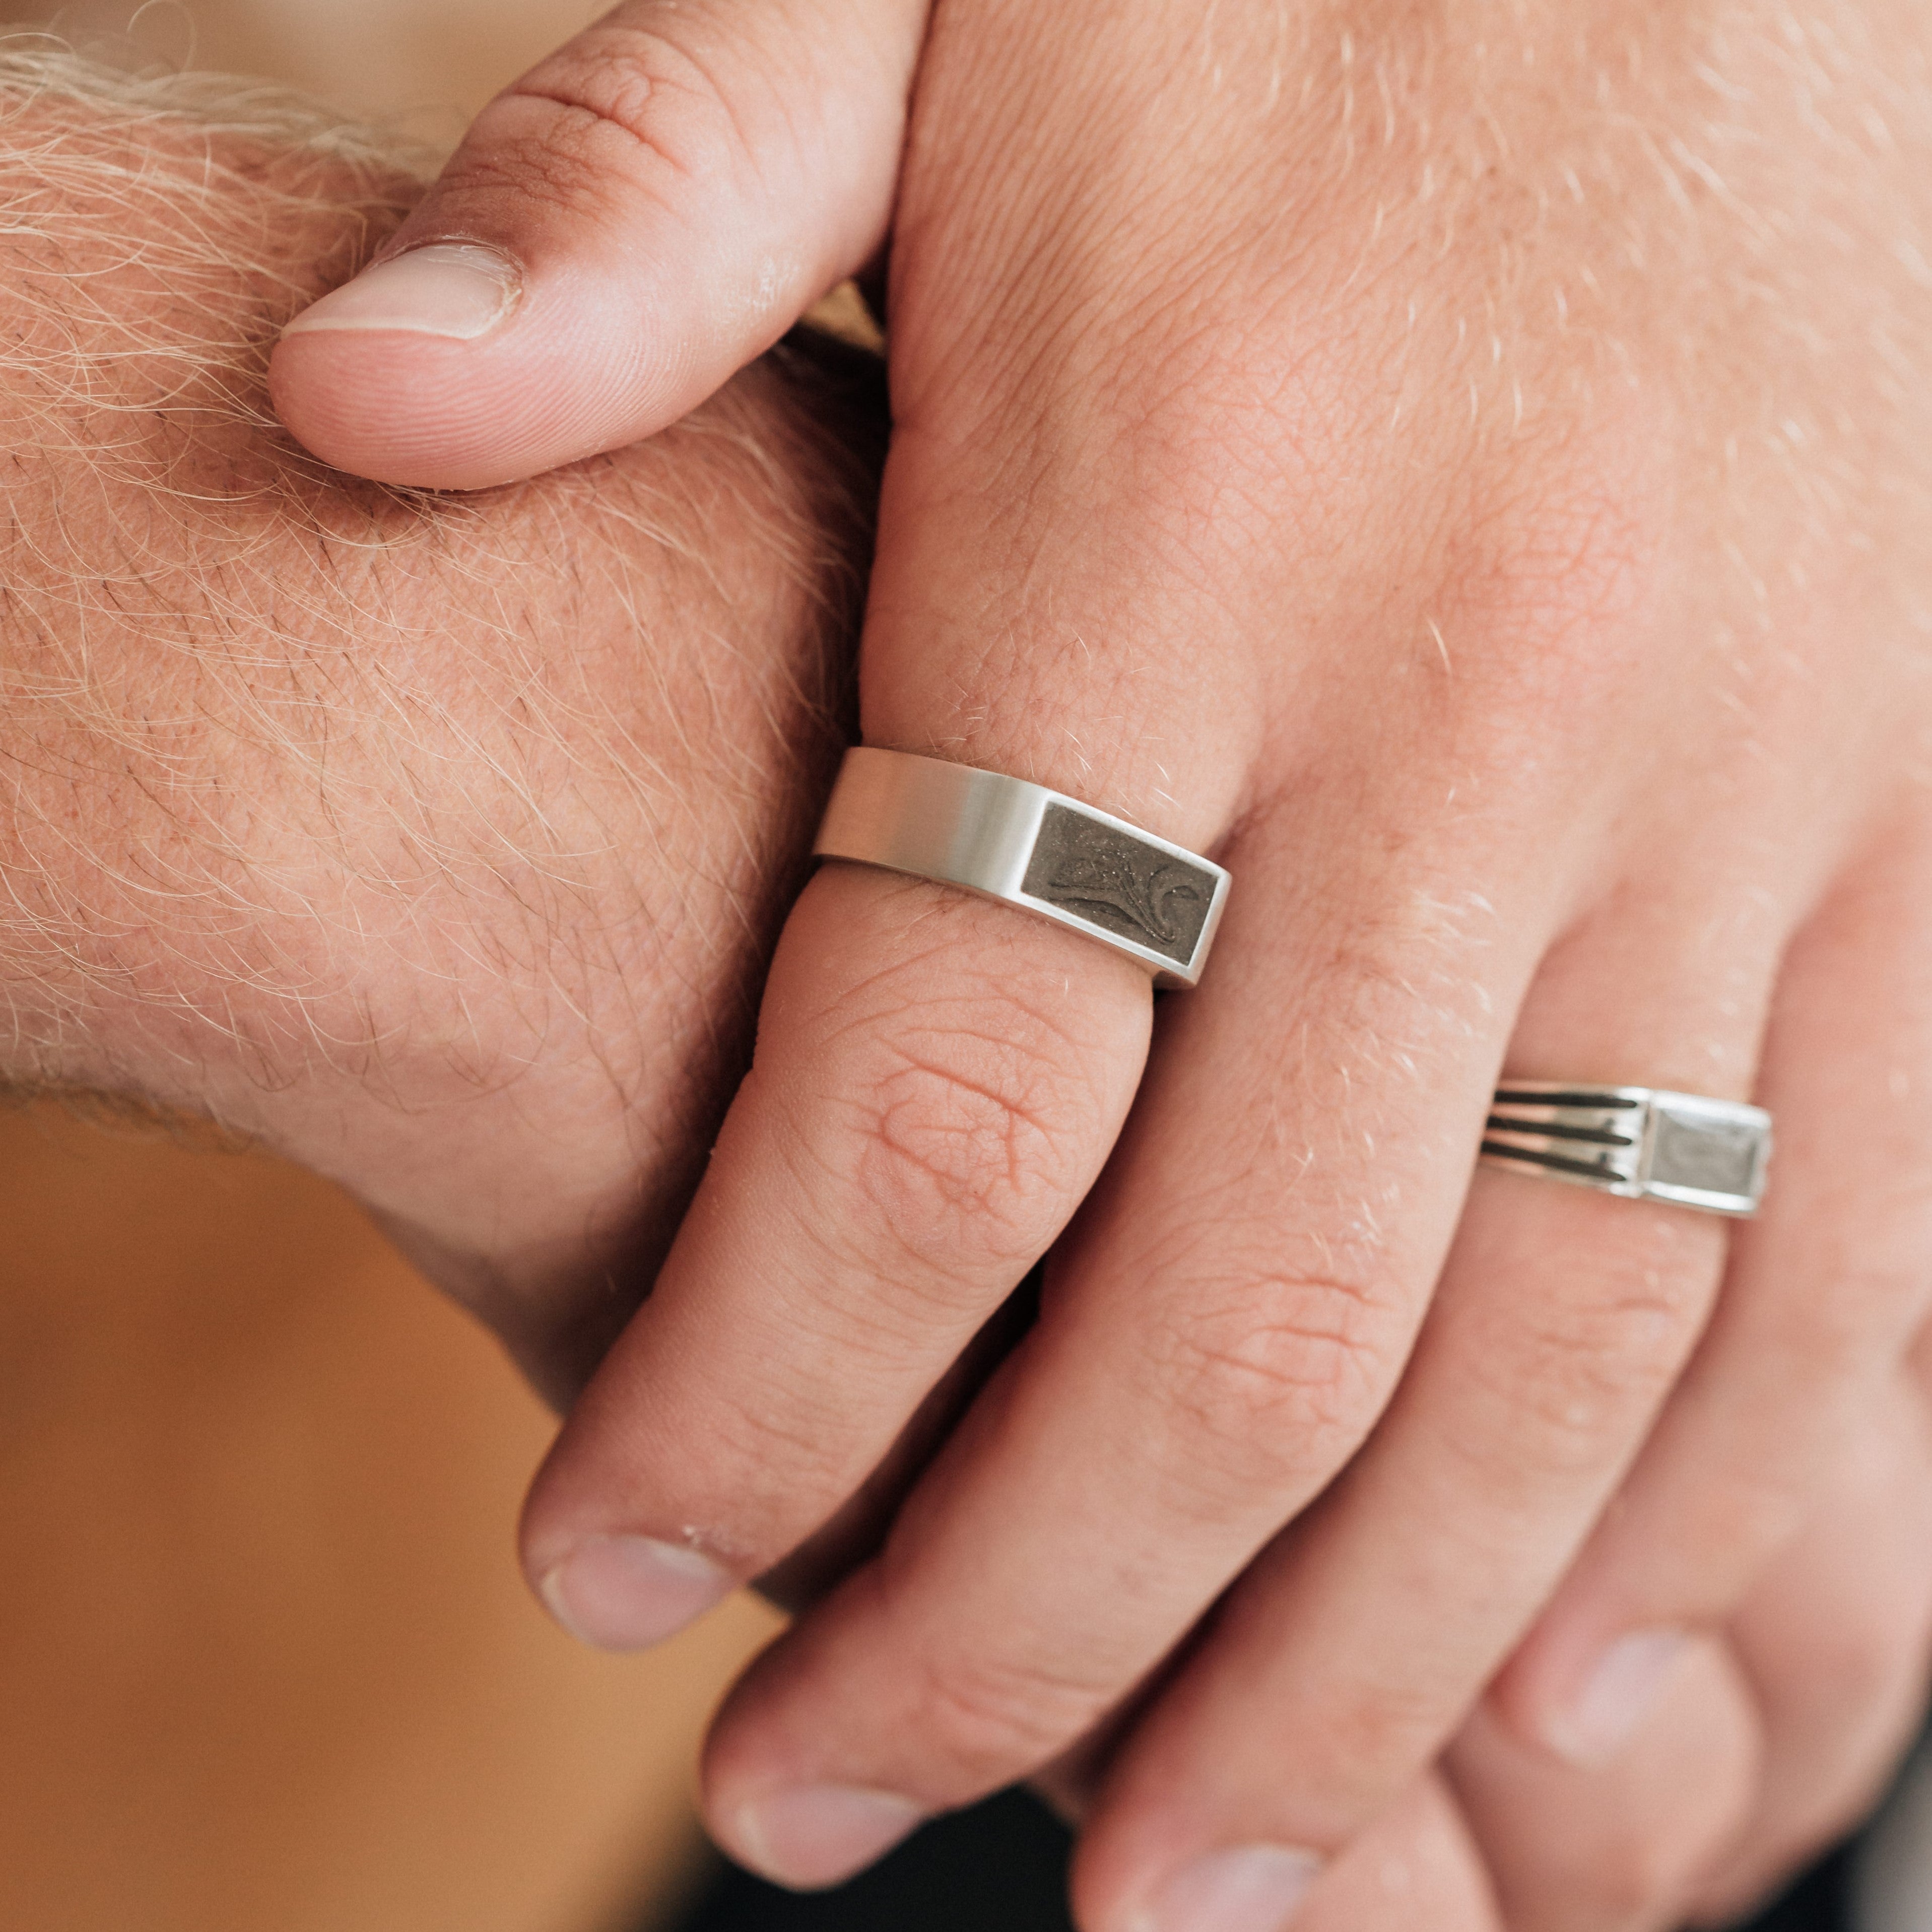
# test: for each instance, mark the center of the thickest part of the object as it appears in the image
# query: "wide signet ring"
(1644, 1143)
(1027, 846)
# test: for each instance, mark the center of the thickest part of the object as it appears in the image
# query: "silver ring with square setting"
(1645, 1143)
(1031, 847)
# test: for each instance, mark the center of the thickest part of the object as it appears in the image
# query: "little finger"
(1621, 1847)
(1835, 1640)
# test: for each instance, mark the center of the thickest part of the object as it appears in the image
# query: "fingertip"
(626, 1592)
(460, 371)
(457, 289)
(807, 1837)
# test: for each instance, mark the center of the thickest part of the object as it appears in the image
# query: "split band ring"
(1641, 1142)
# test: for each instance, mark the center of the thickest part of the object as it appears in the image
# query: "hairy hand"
(1467, 469)
(439, 845)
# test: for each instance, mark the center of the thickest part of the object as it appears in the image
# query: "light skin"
(351, 684)
(439, 845)
(1466, 470)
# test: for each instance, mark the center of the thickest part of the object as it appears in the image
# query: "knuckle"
(618, 111)
(969, 1142)
(1387, 1722)
(788, 1460)
(1573, 1367)
(1277, 1377)
(637, 88)
(989, 1720)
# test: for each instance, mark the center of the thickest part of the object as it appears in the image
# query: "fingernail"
(1621, 1690)
(629, 1592)
(456, 289)
(819, 1835)
(1247, 1888)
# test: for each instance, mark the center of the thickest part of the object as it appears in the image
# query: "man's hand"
(436, 845)
(440, 846)
(1468, 470)
(1587, 721)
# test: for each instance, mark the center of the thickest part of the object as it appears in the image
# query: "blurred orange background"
(265, 1662)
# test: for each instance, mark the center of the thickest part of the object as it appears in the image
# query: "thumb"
(620, 231)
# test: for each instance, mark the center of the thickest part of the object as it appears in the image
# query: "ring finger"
(1562, 1320)
(1825, 1292)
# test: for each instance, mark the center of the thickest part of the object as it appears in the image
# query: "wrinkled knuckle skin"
(1276, 1378)
(969, 1142)
(1389, 1723)
(1576, 1370)
(616, 113)
(787, 1451)
(983, 1723)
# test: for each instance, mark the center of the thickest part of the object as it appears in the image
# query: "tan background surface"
(425, 65)
(266, 1665)
(265, 1662)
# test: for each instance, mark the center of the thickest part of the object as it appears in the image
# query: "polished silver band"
(1641, 1142)
(1028, 847)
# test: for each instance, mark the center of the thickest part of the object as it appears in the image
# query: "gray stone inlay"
(1112, 880)
(1717, 1157)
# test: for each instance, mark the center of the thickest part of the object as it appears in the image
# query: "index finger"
(936, 1082)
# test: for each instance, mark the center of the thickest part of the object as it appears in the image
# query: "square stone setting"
(1701, 1153)
(1109, 878)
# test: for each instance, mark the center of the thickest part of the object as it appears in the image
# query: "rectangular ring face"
(1706, 1154)
(1091, 871)
(1641, 1142)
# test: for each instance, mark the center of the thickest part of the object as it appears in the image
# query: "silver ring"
(1641, 1142)
(1028, 847)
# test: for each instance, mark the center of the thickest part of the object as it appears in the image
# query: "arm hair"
(290, 763)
